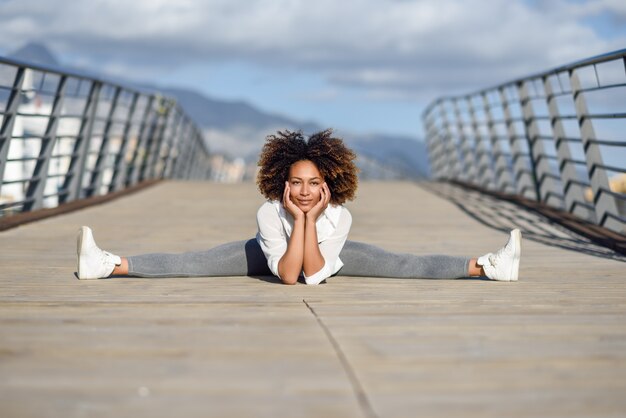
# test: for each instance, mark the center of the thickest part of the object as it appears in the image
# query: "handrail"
(74, 73)
(528, 136)
(556, 70)
(67, 135)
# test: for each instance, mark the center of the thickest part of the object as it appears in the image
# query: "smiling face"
(305, 183)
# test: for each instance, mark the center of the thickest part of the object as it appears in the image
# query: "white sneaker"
(93, 263)
(504, 264)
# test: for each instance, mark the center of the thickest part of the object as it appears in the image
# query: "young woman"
(302, 230)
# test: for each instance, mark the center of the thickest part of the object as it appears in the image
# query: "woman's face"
(305, 184)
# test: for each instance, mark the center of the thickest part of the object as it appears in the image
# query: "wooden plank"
(552, 344)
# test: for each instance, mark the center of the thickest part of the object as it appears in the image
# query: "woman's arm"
(313, 259)
(330, 249)
(290, 264)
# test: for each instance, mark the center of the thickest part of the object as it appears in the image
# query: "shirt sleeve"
(271, 237)
(330, 249)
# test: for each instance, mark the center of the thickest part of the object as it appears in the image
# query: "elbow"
(287, 275)
(289, 280)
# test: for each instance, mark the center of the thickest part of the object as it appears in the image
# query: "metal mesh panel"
(66, 136)
(557, 137)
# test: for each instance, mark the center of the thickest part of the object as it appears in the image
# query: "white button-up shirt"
(275, 227)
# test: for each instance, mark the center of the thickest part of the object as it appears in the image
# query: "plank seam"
(359, 392)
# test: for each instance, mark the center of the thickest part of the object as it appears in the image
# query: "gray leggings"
(245, 258)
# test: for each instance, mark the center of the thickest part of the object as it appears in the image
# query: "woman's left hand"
(320, 206)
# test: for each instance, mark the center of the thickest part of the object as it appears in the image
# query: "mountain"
(237, 129)
(36, 53)
(222, 114)
(407, 156)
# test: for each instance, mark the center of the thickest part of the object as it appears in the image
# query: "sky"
(358, 65)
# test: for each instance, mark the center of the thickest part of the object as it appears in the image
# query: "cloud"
(615, 7)
(401, 47)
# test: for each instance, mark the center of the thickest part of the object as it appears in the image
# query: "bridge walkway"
(552, 344)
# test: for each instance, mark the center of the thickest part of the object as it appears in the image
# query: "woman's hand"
(289, 206)
(320, 206)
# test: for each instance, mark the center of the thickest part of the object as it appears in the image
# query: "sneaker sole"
(517, 239)
(79, 250)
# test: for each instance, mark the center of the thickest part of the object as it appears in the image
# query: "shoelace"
(493, 258)
(106, 257)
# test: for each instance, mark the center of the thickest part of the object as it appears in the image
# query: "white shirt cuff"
(318, 277)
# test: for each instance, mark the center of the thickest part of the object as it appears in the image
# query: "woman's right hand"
(289, 206)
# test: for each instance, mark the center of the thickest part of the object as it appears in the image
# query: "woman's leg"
(368, 260)
(239, 258)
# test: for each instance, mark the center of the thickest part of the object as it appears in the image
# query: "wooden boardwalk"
(551, 345)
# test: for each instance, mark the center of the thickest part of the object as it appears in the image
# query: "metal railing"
(558, 137)
(67, 136)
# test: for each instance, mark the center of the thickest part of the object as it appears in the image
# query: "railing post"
(187, 154)
(139, 153)
(180, 152)
(196, 155)
(434, 142)
(202, 171)
(468, 168)
(74, 176)
(572, 191)
(523, 184)
(502, 174)
(103, 154)
(484, 160)
(184, 152)
(171, 143)
(604, 203)
(190, 158)
(449, 148)
(120, 168)
(156, 155)
(37, 184)
(544, 184)
(152, 140)
(151, 145)
(6, 130)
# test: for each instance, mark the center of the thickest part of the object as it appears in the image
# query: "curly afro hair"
(333, 159)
